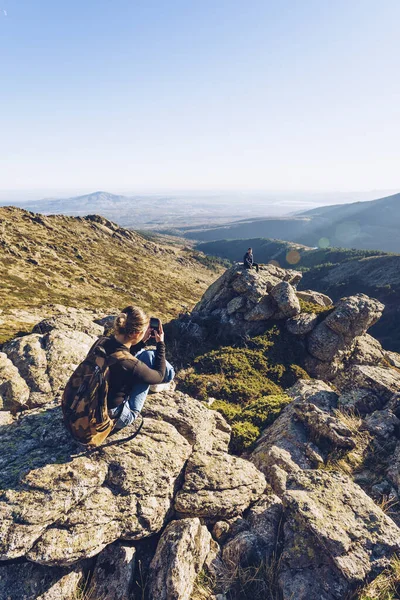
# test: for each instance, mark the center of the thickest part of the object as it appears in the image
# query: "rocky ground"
(308, 514)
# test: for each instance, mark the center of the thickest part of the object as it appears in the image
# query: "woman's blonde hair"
(130, 321)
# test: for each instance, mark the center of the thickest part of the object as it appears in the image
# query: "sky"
(277, 95)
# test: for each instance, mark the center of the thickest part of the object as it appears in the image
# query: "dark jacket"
(125, 373)
(248, 259)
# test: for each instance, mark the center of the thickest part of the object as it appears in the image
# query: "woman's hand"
(159, 335)
(147, 334)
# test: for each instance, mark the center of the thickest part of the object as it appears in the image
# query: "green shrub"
(202, 386)
(231, 412)
(244, 436)
(247, 382)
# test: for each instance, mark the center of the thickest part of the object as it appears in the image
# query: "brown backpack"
(84, 401)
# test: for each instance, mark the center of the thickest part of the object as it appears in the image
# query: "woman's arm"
(155, 374)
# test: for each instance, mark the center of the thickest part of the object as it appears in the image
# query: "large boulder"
(289, 432)
(27, 581)
(344, 525)
(73, 320)
(314, 298)
(262, 311)
(285, 297)
(180, 555)
(324, 343)
(40, 365)
(113, 573)
(218, 485)
(342, 333)
(302, 324)
(354, 315)
(378, 384)
(14, 391)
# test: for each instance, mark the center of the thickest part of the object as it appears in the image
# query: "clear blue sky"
(200, 94)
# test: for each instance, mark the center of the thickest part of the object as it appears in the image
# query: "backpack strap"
(121, 355)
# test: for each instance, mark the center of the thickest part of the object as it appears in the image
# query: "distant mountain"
(103, 203)
(365, 225)
(150, 211)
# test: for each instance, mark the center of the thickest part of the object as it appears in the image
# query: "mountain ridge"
(370, 225)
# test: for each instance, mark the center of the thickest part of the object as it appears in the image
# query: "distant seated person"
(248, 260)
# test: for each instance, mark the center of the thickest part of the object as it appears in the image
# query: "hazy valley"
(370, 225)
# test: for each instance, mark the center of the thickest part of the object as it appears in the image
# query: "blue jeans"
(138, 395)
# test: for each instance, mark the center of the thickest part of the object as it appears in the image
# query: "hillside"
(289, 228)
(90, 262)
(372, 225)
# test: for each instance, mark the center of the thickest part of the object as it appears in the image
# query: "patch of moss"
(247, 422)
(311, 308)
(265, 410)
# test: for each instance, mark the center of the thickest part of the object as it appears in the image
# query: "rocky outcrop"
(247, 303)
(246, 299)
(334, 535)
(123, 491)
(286, 510)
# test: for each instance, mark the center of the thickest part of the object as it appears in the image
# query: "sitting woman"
(130, 379)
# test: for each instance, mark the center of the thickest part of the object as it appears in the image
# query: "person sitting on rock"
(130, 379)
(248, 260)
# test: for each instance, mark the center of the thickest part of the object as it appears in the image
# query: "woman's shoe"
(163, 387)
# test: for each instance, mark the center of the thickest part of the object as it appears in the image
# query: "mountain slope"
(90, 262)
(384, 209)
(370, 225)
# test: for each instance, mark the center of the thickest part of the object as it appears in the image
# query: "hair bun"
(120, 321)
(131, 321)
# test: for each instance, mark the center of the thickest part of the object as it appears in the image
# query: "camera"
(154, 325)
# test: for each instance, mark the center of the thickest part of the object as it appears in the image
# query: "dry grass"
(204, 586)
(349, 418)
(350, 462)
(255, 582)
(387, 504)
(82, 263)
(386, 586)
